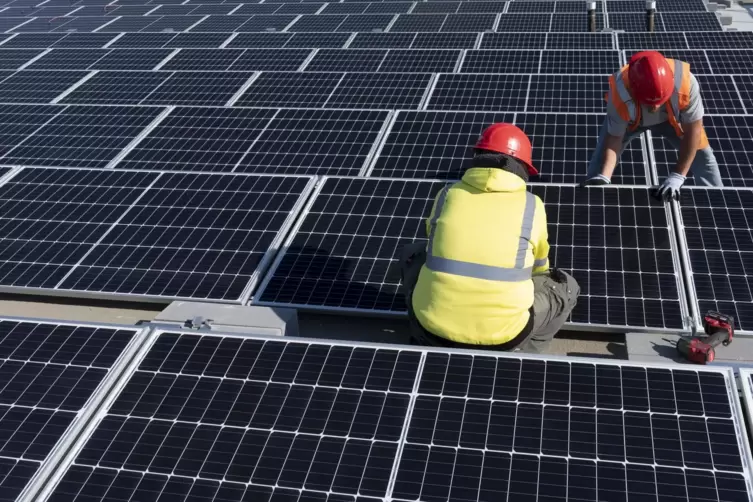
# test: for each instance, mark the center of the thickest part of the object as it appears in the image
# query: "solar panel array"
(187, 105)
(50, 375)
(230, 418)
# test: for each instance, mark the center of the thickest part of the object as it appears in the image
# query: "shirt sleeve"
(616, 126)
(540, 239)
(694, 111)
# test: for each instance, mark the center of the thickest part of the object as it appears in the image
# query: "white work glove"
(597, 180)
(670, 189)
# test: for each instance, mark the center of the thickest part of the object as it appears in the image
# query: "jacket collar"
(488, 179)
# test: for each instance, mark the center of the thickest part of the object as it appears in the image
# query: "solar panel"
(633, 21)
(125, 59)
(720, 40)
(719, 94)
(227, 24)
(249, 10)
(730, 137)
(45, 40)
(501, 61)
(214, 9)
(575, 7)
(436, 8)
(318, 40)
(743, 84)
(579, 61)
(418, 22)
(444, 41)
(730, 61)
(143, 40)
(481, 7)
(259, 40)
(137, 233)
(574, 22)
(432, 144)
(417, 60)
(12, 59)
(468, 22)
(267, 23)
(690, 21)
(50, 374)
(342, 254)
(695, 58)
(380, 91)
(197, 40)
(305, 420)
(291, 89)
(320, 22)
(367, 60)
(563, 145)
(531, 7)
(112, 87)
(651, 41)
(324, 142)
(198, 88)
(579, 40)
(567, 93)
(36, 86)
(238, 59)
(369, 22)
(17, 122)
(303, 8)
(513, 40)
(344, 8)
(82, 136)
(381, 40)
(719, 240)
(389, 8)
(524, 22)
(199, 139)
(479, 92)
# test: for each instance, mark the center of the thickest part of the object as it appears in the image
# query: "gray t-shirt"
(694, 112)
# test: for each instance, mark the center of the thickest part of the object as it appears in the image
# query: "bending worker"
(661, 95)
(483, 280)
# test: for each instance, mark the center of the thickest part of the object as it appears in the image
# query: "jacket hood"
(488, 179)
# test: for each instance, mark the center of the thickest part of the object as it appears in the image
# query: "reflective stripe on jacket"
(630, 111)
(487, 235)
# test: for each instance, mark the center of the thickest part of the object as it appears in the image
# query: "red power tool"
(719, 328)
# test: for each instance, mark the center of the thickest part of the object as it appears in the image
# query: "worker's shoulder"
(539, 202)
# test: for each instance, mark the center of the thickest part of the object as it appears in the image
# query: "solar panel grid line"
(75, 86)
(105, 25)
(237, 7)
(19, 25)
(528, 91)
(113, 40)
(376, 147)
(167, 59)
(726, 284)
(39, 128)
(253, 143)
(51, 472)
(242, 89)
(136, 140)
(392, 22)
(349, 41)
(424, 103)
(308, 59)
(740, 95)
(461, 58)
(229, 39)
(746, 386)
(2, 42)
(291, 23)
(79, 424)
(34, 59)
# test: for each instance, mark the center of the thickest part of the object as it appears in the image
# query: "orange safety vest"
(631, 112)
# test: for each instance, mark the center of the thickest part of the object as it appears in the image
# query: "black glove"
(597, 180)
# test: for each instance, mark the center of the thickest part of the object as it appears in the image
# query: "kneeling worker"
(660, 95)
(483, 280)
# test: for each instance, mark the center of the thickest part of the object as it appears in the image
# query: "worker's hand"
(597, 180)
(670, 189)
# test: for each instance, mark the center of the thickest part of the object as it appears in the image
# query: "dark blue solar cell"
(583, 385)
(608, 387)
(501, 422)
(667, 444)
(449, 421)
(555, 431)
(524, 473)
(611, 435)
(507, 379)
(433, 375)
(423, 419)
(532, 381)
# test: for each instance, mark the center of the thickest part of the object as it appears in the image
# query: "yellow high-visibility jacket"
(487, 236)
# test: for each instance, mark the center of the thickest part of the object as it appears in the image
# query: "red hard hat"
(651, 78)
(510, 140)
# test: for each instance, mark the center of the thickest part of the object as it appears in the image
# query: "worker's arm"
(540, 240)
(612, 147)
(431, 215)
(688, 146)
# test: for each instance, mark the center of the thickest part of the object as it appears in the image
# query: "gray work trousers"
(704, 168)
(552, 303)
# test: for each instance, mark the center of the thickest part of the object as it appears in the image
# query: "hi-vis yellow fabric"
(487, 236)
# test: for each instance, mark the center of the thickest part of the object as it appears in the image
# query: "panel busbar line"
(617, 242)
(717, 236)
(231, 417)
(143, 234)
(52, 374)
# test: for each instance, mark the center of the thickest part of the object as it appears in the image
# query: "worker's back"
(475, 287)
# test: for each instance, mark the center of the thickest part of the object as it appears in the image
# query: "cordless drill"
(719, 328)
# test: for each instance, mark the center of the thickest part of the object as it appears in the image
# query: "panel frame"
(62, 449)
(601, 328)
(745, 384)
(736, 407)
(251, 285)
(696, 325)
